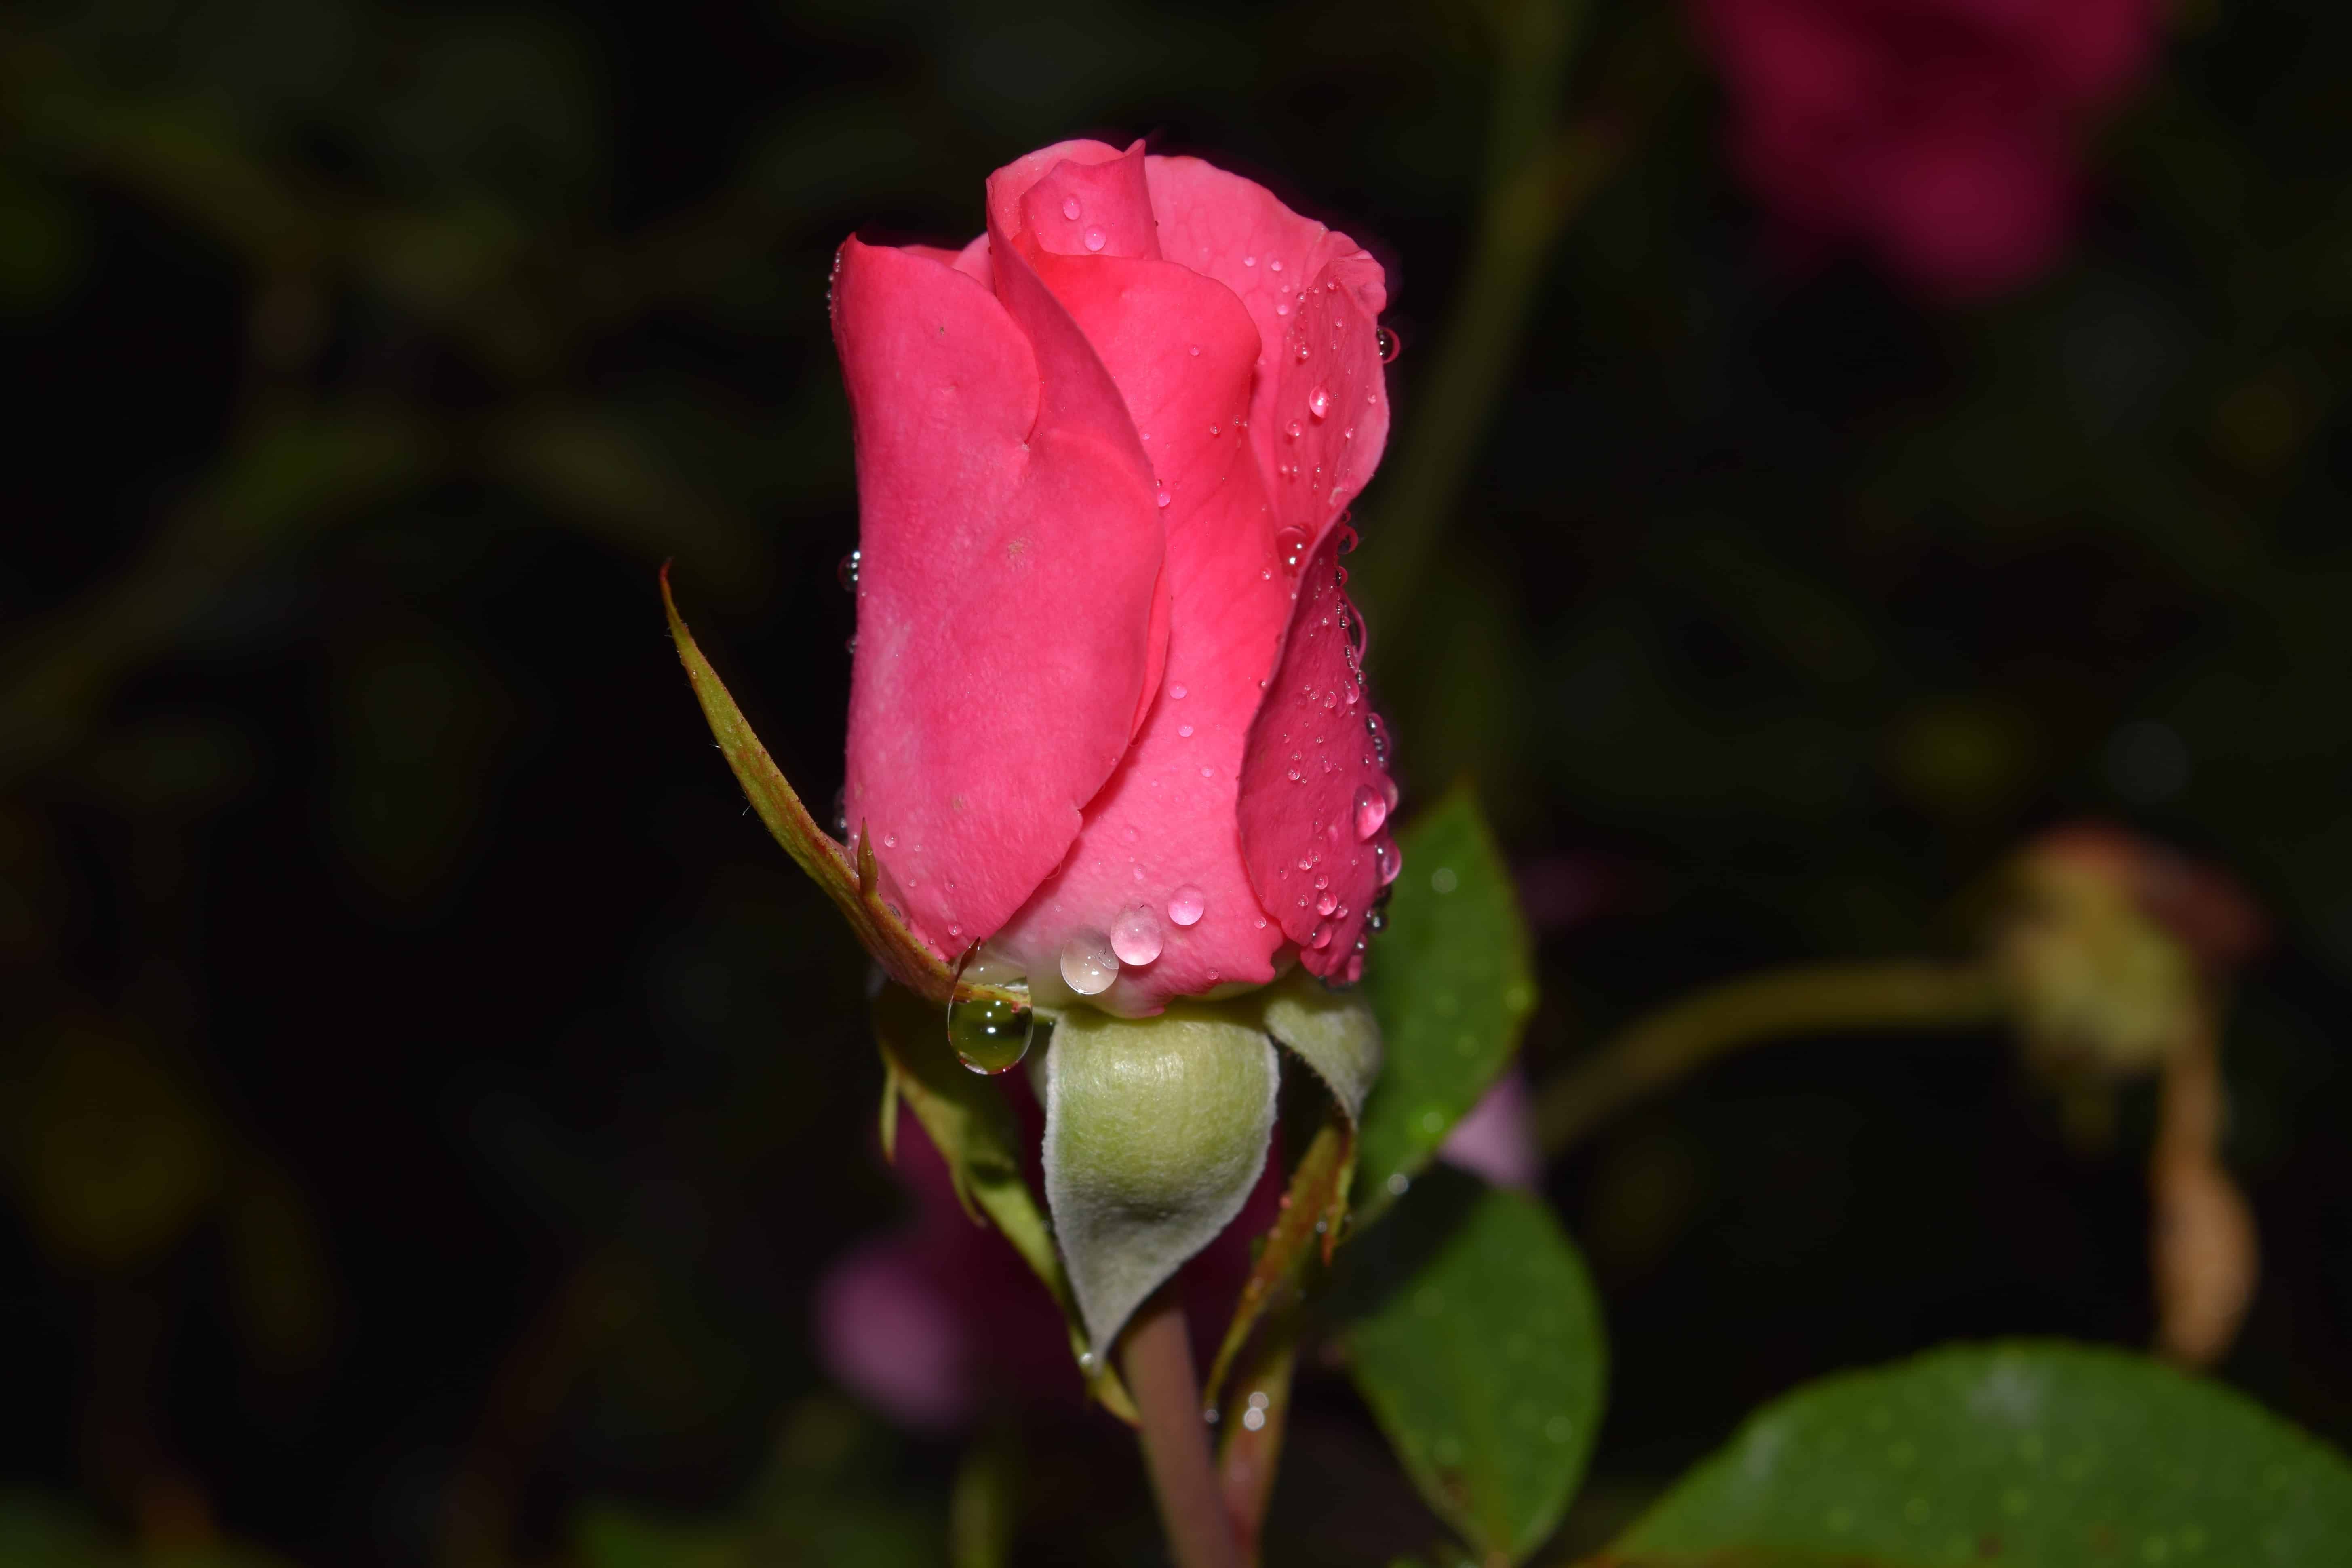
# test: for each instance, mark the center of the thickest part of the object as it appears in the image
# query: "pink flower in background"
(1946, 135)
(930, 1321)
(1497, 1138)
(1106, 713)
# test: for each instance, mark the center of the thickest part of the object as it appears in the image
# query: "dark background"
(429, 1097)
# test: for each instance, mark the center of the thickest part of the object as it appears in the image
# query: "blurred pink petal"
(1497, 1138)
(1944, 135)
(889, 1334)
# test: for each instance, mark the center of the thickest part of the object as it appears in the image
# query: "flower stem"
(1676, 1040)
(1155, 1352)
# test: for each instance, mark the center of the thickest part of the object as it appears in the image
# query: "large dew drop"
(1135, 936)
(1371, 811)
(1187, 904)
(991, 1035)
(1290, 543)
(1089, 964)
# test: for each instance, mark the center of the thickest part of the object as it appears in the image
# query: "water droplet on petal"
(1294, 429)
(1135, 938)
(1095, 239)
(991, 1035)
(1275, 265)
(1371, 810)
(1304, 353)
(1282, 309)
(847, 571)
(1319, 403)
(1249, 261)
(1184, 730)
(1070, 209)
(1164, 498)
(1177, 692)
(1290, 543)
(1088, 965)
(1328, 904)
(1194, 351)
(1186, 905)
(1390, 860)
(1390, 346)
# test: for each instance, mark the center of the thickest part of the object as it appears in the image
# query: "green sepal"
(1334, 1032)
(1156, 1129)
(975, 1132)
(854, 886)
(1314, 1208)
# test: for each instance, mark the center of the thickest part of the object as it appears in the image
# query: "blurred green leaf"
(830, 1495)
(1452, 982)
(819, 1531)
(419, 725)
(43, 239)
(2037, 1455)
(1475, 1334)
(110, 1154)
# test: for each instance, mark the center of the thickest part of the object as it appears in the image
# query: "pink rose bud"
(1944, 134)
(1106, 714)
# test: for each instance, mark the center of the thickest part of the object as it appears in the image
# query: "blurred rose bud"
(2110, 947)
(1106, 713)
(1944, 135)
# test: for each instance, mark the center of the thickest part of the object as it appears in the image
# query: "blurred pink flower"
(1943, 135)
(1497, 1138)
(930, 1323)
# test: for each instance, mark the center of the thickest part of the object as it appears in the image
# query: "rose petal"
(1083, 206)
(1237, 232)
(1313, 780)
(1335, 398)
(1166, 823)
(1007, 186)
(1010, 550)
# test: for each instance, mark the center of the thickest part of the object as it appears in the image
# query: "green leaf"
(2030, 1455)
(1156, 1129)
(1452, 983)
(973, 1129)
(1476, 1337)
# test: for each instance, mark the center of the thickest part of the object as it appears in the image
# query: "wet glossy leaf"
(2029, 1455)
(1474, 1335)
(1452, 983)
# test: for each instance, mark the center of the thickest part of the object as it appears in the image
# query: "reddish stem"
(1155, 1352)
